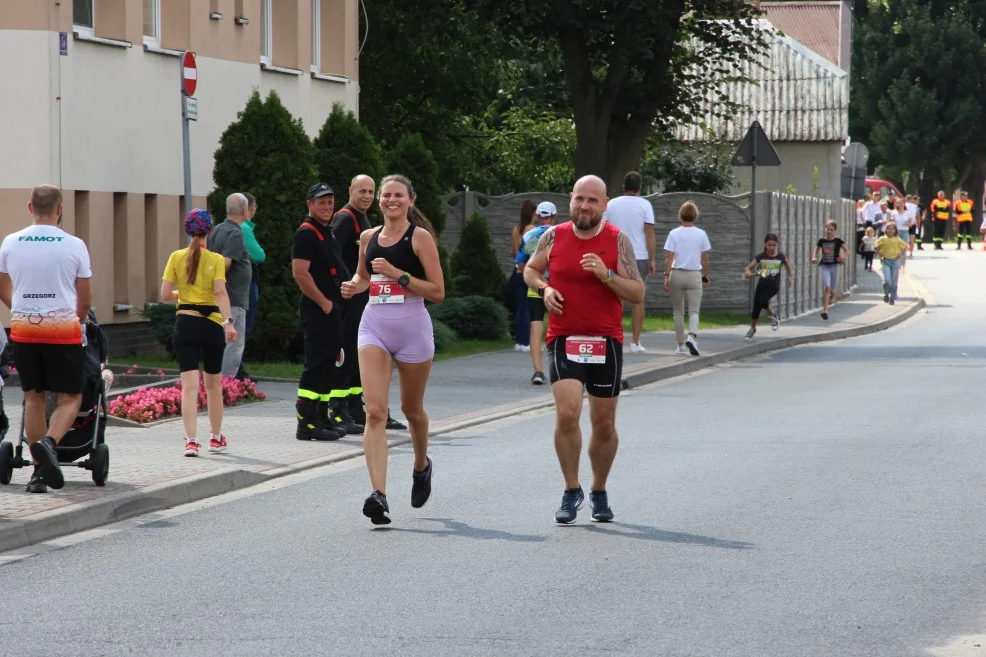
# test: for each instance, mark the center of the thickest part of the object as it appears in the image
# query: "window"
(152, 22)
(316, 34)
(82, 16)
(267, 31)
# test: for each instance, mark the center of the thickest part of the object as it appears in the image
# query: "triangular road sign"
(756, 149)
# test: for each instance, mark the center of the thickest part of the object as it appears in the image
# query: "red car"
(885, 188)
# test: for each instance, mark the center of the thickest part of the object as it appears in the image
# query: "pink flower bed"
(151, 404)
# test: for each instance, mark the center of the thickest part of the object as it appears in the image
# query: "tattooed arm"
(627, 283)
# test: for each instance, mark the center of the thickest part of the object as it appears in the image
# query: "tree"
(677, 168)
(632, 63)
(266, 152)
(475, 269)
(412, 158)
(344, 148)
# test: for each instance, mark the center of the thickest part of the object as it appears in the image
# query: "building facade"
(92, 103)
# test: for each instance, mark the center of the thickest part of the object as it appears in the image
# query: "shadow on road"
(456, 528)
(647, 533)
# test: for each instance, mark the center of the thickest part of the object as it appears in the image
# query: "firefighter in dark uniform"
(347, 225)
(318, 268)
(940, 211)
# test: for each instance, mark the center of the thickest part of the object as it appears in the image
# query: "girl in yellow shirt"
(891, 249)
(203, 316)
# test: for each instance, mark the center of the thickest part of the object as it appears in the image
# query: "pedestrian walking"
(518, 291)
(686, 275)
(892, 250)
(914, 213)
(318, 268)
(902, 218)
(593, 271)
(204, 327)
(257, 258)
(46, 282)
(767, 265)
(869, 242)
(833, 253)
(227, 240)
(547, 213)
(399, 265)
(634, 216)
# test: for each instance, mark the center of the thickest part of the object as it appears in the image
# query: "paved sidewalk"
(148, 472)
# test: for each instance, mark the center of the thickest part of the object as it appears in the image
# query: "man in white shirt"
(634, 216)
(871, 209)
(911, 205)
(45, 280)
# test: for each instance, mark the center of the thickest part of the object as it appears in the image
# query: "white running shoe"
(518, 347)
(525, 347)
(681, 351)
(692, 345)
(750, 333)
(637, 348)
(775, 322)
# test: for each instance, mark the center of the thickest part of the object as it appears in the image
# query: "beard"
(583, 222)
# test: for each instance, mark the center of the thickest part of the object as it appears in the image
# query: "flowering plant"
(152, 404)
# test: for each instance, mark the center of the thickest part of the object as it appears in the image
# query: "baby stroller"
(86, 438)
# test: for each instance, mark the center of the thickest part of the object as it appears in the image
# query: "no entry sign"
(189, 73)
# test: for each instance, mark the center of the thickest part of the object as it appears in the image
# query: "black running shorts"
(49, 367)
(599, 379)
(197, 340)
(535, 306)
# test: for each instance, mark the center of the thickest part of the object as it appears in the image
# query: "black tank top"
(400, 255)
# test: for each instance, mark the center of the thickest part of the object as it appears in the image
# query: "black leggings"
(762, 296)
(868, 259)
(198, 339)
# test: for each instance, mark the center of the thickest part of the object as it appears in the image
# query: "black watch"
(541, 290)
(404, 280)
(705, 279)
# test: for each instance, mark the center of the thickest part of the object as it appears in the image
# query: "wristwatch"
(705, 279)
(541, 289)
(228, 320)
(405, 280)
(610, 275)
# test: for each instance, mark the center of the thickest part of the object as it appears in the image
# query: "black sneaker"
(394, 425)
(571, 502)
(825, 315)
(43, 453)
(376, 509)
(421, 485)
(537, 379)
(36, 485)
(600, 506)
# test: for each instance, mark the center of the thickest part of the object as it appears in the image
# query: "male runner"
(547, 214)
(593, 271)
(46, 281)
(318, 268)
(347, 225)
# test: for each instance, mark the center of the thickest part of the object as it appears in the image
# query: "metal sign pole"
(186, 153)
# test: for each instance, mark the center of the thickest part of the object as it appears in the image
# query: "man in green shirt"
(257, 257)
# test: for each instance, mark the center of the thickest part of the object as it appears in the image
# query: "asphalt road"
(826, 500)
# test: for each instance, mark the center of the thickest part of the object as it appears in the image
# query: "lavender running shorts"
(830, 276)
(403, 330)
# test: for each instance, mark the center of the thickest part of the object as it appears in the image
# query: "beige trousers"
(686, 286)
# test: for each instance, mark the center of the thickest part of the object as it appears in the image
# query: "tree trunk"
(610, 151)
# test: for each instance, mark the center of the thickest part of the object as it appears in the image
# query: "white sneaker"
(692, 345)
(637, 348)
(525, 347)
(518, 347)
(681, 351)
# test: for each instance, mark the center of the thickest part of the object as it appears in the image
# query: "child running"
(833, 251)
(768, 266)
(869, 240)
(892, 250)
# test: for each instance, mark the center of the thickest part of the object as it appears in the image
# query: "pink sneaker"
(191, 448)
(217, 446)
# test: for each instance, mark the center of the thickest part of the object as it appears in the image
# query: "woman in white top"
(686, 274)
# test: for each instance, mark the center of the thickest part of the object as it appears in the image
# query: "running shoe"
(36, 485)
(394, 425)
(44, 455)
(191, 448)
(825, 315)
(637, 348)
(600, 506)
(571, 501)
(681, 351)
(525, 347)
(886, 298)
(537, 379)
(376, 509)
(775, 322)
(692, 345)
(892, 302)
(421, 485)
(750, 333)
(217, 446)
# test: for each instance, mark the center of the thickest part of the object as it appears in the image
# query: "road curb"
(37, 528)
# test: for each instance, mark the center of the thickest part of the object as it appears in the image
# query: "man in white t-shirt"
(634, 216)
(871, 209)
(45, 280)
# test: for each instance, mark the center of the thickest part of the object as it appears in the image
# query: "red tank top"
(590, 308)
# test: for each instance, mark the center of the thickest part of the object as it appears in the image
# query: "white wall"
(120, 114)
(798, 163)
